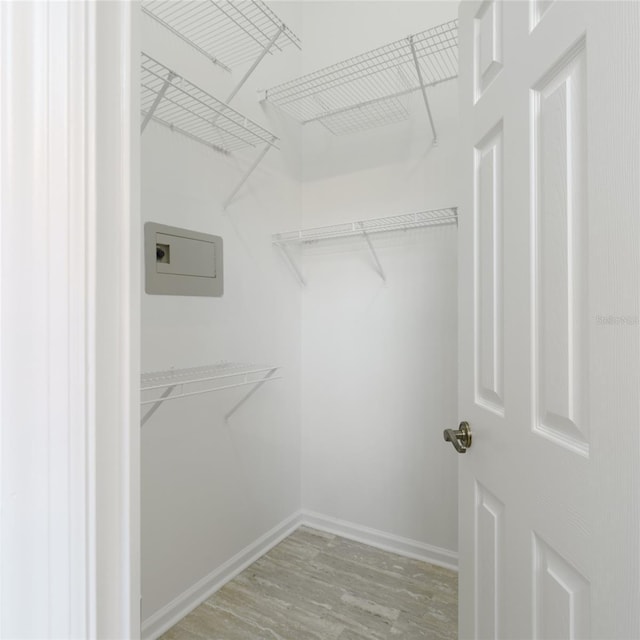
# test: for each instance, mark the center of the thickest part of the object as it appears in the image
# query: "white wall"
(379, 359)
(211, 488)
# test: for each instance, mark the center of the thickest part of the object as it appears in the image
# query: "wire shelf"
(370, 90)
(156, 380)
(434, 217)
(362, 229)
(180, 105)
(157, 387)
(227, 32)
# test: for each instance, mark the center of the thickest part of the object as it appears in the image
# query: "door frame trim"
(69, 296)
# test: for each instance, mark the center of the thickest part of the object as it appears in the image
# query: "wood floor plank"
(318, 586)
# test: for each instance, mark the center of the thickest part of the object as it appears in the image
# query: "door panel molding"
(487, 46)
(559, 250)
(489, 537)
(489, 274)
(561, 596)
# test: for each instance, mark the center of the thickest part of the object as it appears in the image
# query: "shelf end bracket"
(292, 263)
(257, 385)
(156, 405)
(374, 255)
(423, 89)
(251, 169)
(156, 102)
(252, 68)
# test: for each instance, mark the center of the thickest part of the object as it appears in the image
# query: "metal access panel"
(180, 262)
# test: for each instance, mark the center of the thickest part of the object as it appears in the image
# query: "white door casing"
(69, 298)
(549, 330)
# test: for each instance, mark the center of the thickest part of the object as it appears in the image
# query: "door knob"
(460, 438)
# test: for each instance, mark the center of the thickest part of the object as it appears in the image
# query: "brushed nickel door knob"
(460, 438)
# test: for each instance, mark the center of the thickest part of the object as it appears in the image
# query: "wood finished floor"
(317, 586)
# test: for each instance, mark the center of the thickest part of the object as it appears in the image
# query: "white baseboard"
(165, 618)
(382, 540)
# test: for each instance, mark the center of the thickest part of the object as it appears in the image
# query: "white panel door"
(549, 331)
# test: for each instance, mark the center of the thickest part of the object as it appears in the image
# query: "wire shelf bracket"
(157, 101)
(362, 228)
(254, 388)
(423, 89)
(374, 255)
(289, 259)
(370, 90)
(257, 61)
(199, 380)
(227, 32)
(180, 105)
(249, 171)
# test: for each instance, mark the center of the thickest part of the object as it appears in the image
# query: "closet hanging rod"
(228, 33)
(365, 91)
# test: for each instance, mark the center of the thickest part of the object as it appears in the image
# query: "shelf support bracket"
(252, 68)
(379, 268)
(251, 169)
(423, 89)
(154, 407)
(292, 263)
(156, 102)
(257, 385)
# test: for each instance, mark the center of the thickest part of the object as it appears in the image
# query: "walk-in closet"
(316, 143)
